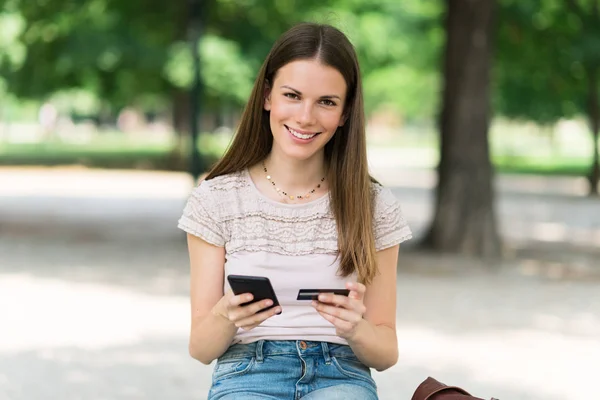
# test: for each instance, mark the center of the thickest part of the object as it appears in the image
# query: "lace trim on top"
(230, 211)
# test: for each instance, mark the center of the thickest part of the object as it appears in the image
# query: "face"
(306, 104)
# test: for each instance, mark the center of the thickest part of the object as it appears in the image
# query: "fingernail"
(314, 303)
(269, 302)
(279, 311)
(322, 297)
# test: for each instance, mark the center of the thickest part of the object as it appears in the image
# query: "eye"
(292, 96)
(328, 102)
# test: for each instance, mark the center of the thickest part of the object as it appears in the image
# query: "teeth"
(300, 135)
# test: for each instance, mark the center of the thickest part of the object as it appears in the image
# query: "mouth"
(303, 135)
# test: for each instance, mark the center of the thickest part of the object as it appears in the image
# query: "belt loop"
(259, 351)
(326, 354)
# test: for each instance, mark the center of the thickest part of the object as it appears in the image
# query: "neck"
(296, 176)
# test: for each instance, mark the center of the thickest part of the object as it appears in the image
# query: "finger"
(236, 301)
(243, 311)
(337, 322)
(356, 305)
(335, 299)
(338, 312)
(256, 319)
(256, 307)
(357, 290)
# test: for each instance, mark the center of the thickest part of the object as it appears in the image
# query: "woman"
(292, 200)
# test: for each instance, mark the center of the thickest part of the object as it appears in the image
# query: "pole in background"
(195, 34)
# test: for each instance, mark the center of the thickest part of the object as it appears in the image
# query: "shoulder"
(222, 184)
(221, 189)
(216, 195)
(389, 223)
(383, 197)
(205, 212)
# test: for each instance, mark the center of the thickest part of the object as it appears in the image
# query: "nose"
(305, 115)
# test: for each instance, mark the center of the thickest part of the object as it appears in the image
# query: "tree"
(100, 46)
(464, 218)
(398, 44)
(123, 53)
(549, 64)
(128, 53)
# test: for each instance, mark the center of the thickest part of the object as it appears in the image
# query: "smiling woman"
(292, 200)
(305, 107)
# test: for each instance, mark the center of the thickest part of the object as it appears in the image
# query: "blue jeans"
(291, 369)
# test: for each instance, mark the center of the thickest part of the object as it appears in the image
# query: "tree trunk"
(594, 117)
(464, 220)
(182, 110)
(181, 107)
(181, 115)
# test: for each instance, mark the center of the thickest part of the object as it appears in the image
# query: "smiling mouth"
(301, 135)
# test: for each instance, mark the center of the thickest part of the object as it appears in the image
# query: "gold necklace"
(291, 197)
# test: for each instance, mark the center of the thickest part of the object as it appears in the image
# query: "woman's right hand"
(232, 308)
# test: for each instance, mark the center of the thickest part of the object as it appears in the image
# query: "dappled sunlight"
(152, 368)
(579, 324)
(575, 186)
(550, 232)
(554, 217)
(108, 105)
(399, 157)
(584, 269)
(83, 315)
(537, 363)
(96, 280)
(93, 333)
(89, 183)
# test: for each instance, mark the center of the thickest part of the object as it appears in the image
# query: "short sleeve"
(201, 216)
(388, 221)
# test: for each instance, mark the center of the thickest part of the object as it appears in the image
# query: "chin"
(302, 152)
(299, 154)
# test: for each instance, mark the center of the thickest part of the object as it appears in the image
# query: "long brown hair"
(345, 154)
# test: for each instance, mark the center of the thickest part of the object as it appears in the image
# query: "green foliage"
(122, 52)
(136, 51)
(399, 45)
(543, 51)
(78, 101)
(12, 51)
(226, 75)
(103, 46)
(411, 92)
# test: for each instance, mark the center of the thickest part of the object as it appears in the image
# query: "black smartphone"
(259, 286)
(313, 294)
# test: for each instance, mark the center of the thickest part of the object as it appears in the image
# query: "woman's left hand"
(344, 312)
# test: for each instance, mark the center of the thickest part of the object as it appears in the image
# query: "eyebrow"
(329, 96)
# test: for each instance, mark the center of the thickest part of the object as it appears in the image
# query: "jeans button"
(303, 345)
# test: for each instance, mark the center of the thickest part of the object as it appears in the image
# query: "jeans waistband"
(302, 348)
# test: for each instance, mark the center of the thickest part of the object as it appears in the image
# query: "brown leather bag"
(432, 389)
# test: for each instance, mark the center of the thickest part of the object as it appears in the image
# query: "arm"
(216, 317)
(375, 342)
(210, 334)
(367, 317)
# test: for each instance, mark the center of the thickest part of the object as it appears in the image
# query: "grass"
(113, 150)
(560, 166)
(109, 150)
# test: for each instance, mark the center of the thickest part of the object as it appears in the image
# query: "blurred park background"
(483, 118)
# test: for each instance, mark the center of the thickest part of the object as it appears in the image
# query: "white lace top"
(294, 245)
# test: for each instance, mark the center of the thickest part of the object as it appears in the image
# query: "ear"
(343, 119)
(267, 95)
